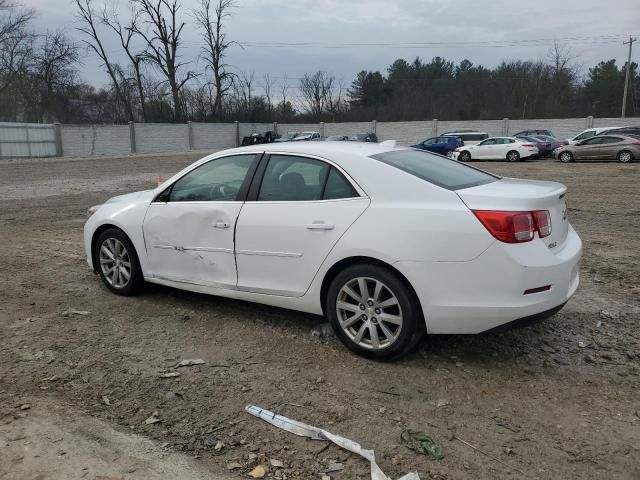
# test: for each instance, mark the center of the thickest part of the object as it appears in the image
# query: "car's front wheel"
(566, 157)
(465, 156)
(117, 262)
(373, 312)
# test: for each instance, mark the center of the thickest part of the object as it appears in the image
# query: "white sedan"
(497, 148)
(387, 242)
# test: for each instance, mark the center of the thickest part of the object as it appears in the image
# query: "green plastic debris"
(422, 443)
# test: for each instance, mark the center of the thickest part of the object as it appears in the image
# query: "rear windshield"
(441, 171)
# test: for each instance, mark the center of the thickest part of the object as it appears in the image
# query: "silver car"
(623, 148)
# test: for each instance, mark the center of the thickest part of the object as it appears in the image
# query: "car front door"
(298, 208)
(485, 149)
(589, 149)
(189, 228)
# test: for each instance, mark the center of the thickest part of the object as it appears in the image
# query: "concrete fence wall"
(21, 140)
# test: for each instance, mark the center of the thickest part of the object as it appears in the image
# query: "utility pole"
(626, 77)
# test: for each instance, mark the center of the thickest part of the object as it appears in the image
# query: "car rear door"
(610, 147)
(189, 228)
(298, 208)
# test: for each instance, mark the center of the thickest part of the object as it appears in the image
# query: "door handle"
(320, 226)
(221, 224)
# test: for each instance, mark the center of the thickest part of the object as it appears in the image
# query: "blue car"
(442, 145)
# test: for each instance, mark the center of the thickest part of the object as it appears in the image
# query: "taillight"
(543, 222)
(515, 227)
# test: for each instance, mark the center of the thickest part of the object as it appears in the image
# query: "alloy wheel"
(624, 157)
(513, 156)
(369, 313)
(565, 157)
(115, 263)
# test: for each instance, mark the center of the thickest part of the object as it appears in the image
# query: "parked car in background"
(549, 144)
(442, 145)
(364, 137)
(535, 131)
(497, 148)
(468, 137)
(588, 133)
(288, 137)
(336, 138)
(621, 131)
(257, 138)
(306, 136)
(542, 151)
(410, 242)
(625, 149)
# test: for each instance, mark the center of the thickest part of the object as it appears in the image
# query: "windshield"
(441, 171)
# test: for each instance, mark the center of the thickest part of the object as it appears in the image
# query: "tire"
(465, 156)
(397, 334)
(565, 157)
(513, 156)
(625, 156)
(117, 245)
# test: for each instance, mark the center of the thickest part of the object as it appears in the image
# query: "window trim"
(256, 183)
(242, 193)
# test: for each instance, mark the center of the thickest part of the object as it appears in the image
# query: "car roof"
(321, 149)
(463, 132)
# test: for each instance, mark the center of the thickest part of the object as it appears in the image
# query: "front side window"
(219, 180)
(593, 141)
(491, 141)
(441, 171)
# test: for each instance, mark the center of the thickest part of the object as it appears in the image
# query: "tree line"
(41, 81)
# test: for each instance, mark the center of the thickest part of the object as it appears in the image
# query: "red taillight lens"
(515, 227)
(543, 222)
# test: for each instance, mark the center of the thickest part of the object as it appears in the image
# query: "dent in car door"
(281, 244)
(189, 236)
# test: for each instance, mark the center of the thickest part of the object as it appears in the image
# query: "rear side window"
(441, 171)
(290, 178)
(338, 187)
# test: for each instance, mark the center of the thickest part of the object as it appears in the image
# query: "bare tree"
(163, 40)
(215, 51)
(126, 35)
(89, 27)
(268, 87)
(317, 90)
(55, 69)
(13, 20)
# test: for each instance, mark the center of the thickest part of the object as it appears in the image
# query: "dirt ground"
(559, 400)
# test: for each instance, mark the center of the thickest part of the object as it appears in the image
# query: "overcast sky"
(593, 30)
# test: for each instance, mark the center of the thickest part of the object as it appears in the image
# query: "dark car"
(622, 131)
(526, 133)
(263, 137)
(442, 145)
(550, 143)
(363, 137)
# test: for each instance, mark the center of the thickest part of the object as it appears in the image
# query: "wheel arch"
(340, 265)
(94, 238)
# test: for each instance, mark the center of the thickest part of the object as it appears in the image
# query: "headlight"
(92, 210)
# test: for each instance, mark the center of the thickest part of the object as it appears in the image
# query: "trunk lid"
(513, 194)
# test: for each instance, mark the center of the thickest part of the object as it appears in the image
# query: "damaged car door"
(189, 228)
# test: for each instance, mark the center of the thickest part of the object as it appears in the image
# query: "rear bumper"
(526, 321)
(487, 292)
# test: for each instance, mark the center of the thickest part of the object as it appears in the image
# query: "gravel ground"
(557, 400)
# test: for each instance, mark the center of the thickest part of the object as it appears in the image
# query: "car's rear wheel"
(465, 156)
(625, 156)
(117, 262)
(513, 156)
(566, 157)
(374, 312)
